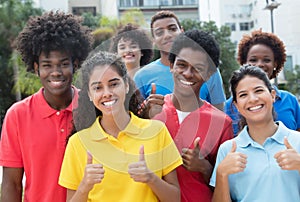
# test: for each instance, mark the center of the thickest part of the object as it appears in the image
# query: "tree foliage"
(293, 80)
(228, 62)
(14, 15)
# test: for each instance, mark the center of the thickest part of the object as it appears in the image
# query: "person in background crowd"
(134, 46)
(196, 126)
(265, 155)
(267, 51)
(34, 131)
(116, 156)
(165, 27)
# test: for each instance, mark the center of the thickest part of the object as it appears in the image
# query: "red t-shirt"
(34, 138)
(213, 127)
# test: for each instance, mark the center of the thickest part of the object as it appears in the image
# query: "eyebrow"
(99, 82)
(197, 64)
(170, 25)
(61, 60)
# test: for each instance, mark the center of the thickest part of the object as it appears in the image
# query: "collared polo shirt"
(262, 179)
(212, 126)
(115, 154)
(34, 138)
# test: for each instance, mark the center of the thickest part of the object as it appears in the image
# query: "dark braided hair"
(53, 31)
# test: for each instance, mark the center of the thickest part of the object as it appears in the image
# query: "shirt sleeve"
(215, 88)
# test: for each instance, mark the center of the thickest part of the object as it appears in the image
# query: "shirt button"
(62, 130)
(57, 113)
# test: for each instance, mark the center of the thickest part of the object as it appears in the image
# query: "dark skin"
(57, 66)
(194, 161)
(12, 184)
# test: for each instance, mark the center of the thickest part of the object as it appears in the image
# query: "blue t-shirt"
(286, 107)
(158, 73)
(263, 179)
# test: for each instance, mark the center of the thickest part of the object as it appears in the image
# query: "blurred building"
(242, 16)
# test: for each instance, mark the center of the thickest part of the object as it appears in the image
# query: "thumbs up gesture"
(93, 174)
(234, 162)
(153, 104)
(288, 159)
(139, 171)
(192, 158)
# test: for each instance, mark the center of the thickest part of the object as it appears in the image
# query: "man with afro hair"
(34, 132)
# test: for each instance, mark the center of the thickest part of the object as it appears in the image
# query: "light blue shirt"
(158, 73)
(262, 180)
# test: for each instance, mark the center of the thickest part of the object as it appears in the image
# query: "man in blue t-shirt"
(165, 27)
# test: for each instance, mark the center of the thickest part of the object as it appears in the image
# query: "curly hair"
(137, 35)
(85, 114)
(53, 31)
(197, 40)
(162, 15)
(265, 38)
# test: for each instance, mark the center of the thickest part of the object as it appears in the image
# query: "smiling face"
(56, 72)
(254, 101)
(164, 32)
(189, 68)
(262, 56)
(107, 90)
(130, 52)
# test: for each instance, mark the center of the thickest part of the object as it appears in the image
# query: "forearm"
(77, 196)
(164, 191)
(11, 192)
(206, 171)
(222, 191)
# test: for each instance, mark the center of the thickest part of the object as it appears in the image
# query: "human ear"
(171, 67)
(273, 94)
(36, 68)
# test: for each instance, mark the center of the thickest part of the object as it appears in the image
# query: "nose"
(107, 92)
(57, 70)
(253, 97)
(260, 63)
(188, 72)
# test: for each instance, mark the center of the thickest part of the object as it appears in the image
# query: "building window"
(231, 25)
(244, 26)
(288, 65)
(80, 10)
(131, 3)
(138, 3)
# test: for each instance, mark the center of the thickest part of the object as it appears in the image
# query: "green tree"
(293, 80)
(13, 14)
(228, 62)
(108, 27)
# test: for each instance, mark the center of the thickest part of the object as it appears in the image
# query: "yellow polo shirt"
(115, 154)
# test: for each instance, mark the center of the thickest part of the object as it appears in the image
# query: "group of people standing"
(140, 131)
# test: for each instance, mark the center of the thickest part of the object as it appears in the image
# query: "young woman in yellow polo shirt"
(115, 155)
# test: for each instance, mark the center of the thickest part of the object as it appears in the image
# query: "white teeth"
(110, 103)
(255, 108)
(186, 82)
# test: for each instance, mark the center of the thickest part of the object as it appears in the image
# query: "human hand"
(288, 159)
(139, 171)
(234, 162)
(153, 104)
(192, 158)
(93, 174)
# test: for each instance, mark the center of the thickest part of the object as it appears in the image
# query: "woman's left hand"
(139, 171)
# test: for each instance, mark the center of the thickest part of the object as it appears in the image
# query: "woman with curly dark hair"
(134, 46)
(115, 155)
(267, 51)
(35, 129)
